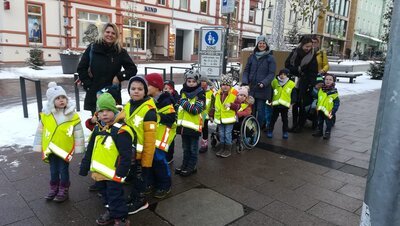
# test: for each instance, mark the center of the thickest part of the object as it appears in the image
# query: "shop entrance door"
(179, 45)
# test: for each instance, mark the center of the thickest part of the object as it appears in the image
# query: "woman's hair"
(117, 42)
(258, 50)
(305, 40)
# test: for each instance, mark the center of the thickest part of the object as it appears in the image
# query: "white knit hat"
(53, 92)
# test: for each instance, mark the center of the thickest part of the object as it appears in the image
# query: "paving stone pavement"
(299, 181)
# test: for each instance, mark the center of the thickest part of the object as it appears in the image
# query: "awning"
(369, 37)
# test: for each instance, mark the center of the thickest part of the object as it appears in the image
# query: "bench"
(351, 75)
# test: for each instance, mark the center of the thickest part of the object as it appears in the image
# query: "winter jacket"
(247, 111)
(165, 99)
(105, 63)
(322, 60)
(259, 71)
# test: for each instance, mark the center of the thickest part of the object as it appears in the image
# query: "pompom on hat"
(155, 79)
(226, 79)
(54, 91)
(106, 102)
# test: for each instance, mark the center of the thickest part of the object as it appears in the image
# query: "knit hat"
(262, 38)
(285, 71)
(138, 78)
(106, 102)
(244, 90)
(170, 83)
(226, 79)
(203, 77)
(155, 79)
(53, 92)
(192, 74)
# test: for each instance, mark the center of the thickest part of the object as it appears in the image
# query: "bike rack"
(76, 89)
(23, 95)
(172, 69)
(156, 68)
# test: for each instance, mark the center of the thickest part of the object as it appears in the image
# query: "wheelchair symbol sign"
(211, 38)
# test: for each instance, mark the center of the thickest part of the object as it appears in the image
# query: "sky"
(21, 131)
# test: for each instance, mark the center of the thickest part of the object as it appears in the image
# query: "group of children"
(136, 143)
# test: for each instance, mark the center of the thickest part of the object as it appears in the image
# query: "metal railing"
(23, 95)
(156, 68)
(172, 71)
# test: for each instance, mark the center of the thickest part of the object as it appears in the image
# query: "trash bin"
(69, 62)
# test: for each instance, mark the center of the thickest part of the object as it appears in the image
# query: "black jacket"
(105, 63)
(165, 99)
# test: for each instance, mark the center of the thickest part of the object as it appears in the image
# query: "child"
(141, 115)
(58, 136)
(327, 105)
(282, 97)
(108, 157)
(246, 104)
(190, 122)
(224, 114)
(210, 98)
(169, 86)
(166, 131)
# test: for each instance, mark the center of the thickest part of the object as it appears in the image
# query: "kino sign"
(211, 51)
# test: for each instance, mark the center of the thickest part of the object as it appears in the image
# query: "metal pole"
(225, 61)
(78, 105)
(38, 97)
(23, 96)
(262, 17)
(382, 197)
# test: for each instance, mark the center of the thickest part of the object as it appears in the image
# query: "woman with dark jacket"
(302, 63)
(101, 63)
(258, 74)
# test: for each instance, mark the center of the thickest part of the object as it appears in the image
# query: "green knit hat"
(106, 102)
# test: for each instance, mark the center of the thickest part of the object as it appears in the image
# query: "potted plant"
(69, 60)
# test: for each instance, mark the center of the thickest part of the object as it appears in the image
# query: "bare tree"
(309, 10)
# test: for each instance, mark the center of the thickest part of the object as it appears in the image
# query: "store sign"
(228, 6)
(150, 9)
(211, 51)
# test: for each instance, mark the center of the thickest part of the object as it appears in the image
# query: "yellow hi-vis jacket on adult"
(222, 114)
(58, 139)
(135, 120)
(282, 94)
(105, 153)
(206, 111)
(165, 135)
(188, 120)
(325, 102)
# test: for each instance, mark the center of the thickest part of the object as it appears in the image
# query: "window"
(203, 6)
(184, 4)
(134, 34)
(35, 23)
(90, 25)
(269, 15)
(161, 2)
(252, 14)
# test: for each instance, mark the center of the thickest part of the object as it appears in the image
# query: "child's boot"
(203, 146)
(53, 190)
(62, 194)
(327, 135)
(220, 150)
(227, 152)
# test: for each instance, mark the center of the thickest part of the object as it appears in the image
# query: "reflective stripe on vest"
(58, 139)
(325, 102)
(165, 135)
(225, 115)
(209, 94)
(188, 120)
(282, 94)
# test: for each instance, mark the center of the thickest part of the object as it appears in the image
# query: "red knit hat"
(155, 79)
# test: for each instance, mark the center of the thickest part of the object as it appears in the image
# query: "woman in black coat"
(100, 65)
(302, 63)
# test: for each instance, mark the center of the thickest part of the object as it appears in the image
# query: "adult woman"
(302, 63)
(258, 74)
(100, 65)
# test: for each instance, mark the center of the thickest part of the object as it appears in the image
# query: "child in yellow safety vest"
(169, 86)
(58, 136)
(141, 115)
(327, 105)
(160, 176)
(246, 105)
(210, 98)
(283, 97)
(224, 115)
(108, 157)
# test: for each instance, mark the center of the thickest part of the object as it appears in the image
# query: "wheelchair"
(245, 133)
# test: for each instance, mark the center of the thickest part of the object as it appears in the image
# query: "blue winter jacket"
(259, 71)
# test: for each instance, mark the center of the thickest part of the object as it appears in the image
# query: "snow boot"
(62, 194)
(53, 191)
(227, 152)
(203, 146)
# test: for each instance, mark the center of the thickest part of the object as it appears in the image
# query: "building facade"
(168, 28)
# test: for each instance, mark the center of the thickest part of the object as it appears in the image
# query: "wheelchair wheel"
(250, 132)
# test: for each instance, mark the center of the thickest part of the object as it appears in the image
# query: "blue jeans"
(268, 115)
(259, 111)
(190, 146)
(113, 194)
(59, 170)
(159, 174)
(225, 133)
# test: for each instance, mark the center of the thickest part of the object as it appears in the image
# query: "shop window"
(90, 25)
(35, 23)
(161, 2)
(252, 14)
(134, 34)
(196, 43)
(203, 6)
(184, 4)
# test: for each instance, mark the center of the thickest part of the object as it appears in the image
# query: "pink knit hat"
(244, 91)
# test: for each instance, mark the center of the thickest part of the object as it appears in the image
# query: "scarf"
(305, 57)
(191, 92)
(261, 54)
(282, 82)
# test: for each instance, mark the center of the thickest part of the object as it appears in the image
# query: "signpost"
(211, 51)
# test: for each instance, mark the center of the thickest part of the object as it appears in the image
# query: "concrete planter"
(69, 62)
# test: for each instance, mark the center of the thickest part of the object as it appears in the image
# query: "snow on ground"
(21, 131)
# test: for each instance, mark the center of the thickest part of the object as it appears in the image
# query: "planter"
(69, 62)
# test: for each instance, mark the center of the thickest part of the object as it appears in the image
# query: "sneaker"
(122, 222)
(269, 134)
(285, 135)
(93, 187)
(161, 193)
(137, 206)
(178, 170)
(105, 219)
(188, 172)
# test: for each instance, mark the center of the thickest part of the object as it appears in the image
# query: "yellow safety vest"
(105, 153)
(135, 120)
(189, 120)
(165, 135)
(225, 115)
(209, 94)
(243, 106)
(58, 139)
(282, 95)
(325, 102)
